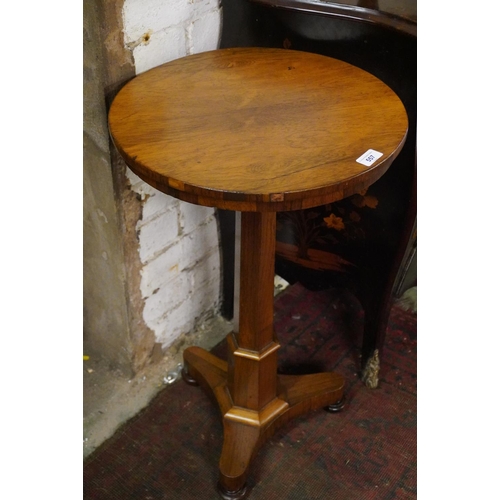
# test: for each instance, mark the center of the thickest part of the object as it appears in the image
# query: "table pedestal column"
(254, 400)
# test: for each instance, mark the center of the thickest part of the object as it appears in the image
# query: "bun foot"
(336, 407)
(232, 495)
(187, 378)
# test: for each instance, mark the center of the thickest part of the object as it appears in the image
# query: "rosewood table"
(258, 131)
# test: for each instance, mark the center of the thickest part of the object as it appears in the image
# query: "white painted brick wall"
(159, 234)
(178, 242)
(158, 31)
(191, 216)
(163, 46)
(200, 32)
(163, 301)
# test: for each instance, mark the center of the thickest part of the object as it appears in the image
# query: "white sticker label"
(369, 158)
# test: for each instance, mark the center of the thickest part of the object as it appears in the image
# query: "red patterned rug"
(171, 449)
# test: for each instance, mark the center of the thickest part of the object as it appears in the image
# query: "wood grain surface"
(257, 129)
(254, 400)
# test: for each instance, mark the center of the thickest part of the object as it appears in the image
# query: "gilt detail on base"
(371, 371)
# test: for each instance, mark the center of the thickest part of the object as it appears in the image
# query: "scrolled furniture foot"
(231, 495)
(336, 407)
(371, 370)
(187, 378)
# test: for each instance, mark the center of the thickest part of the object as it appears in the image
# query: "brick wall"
(162, 30)
(178, 242)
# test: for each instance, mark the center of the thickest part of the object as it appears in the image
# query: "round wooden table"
(257, 130)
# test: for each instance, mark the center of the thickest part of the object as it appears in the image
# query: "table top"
(257, 129)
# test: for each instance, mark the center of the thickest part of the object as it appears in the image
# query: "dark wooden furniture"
(398, 15)
(258, 131)
(369, 254)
